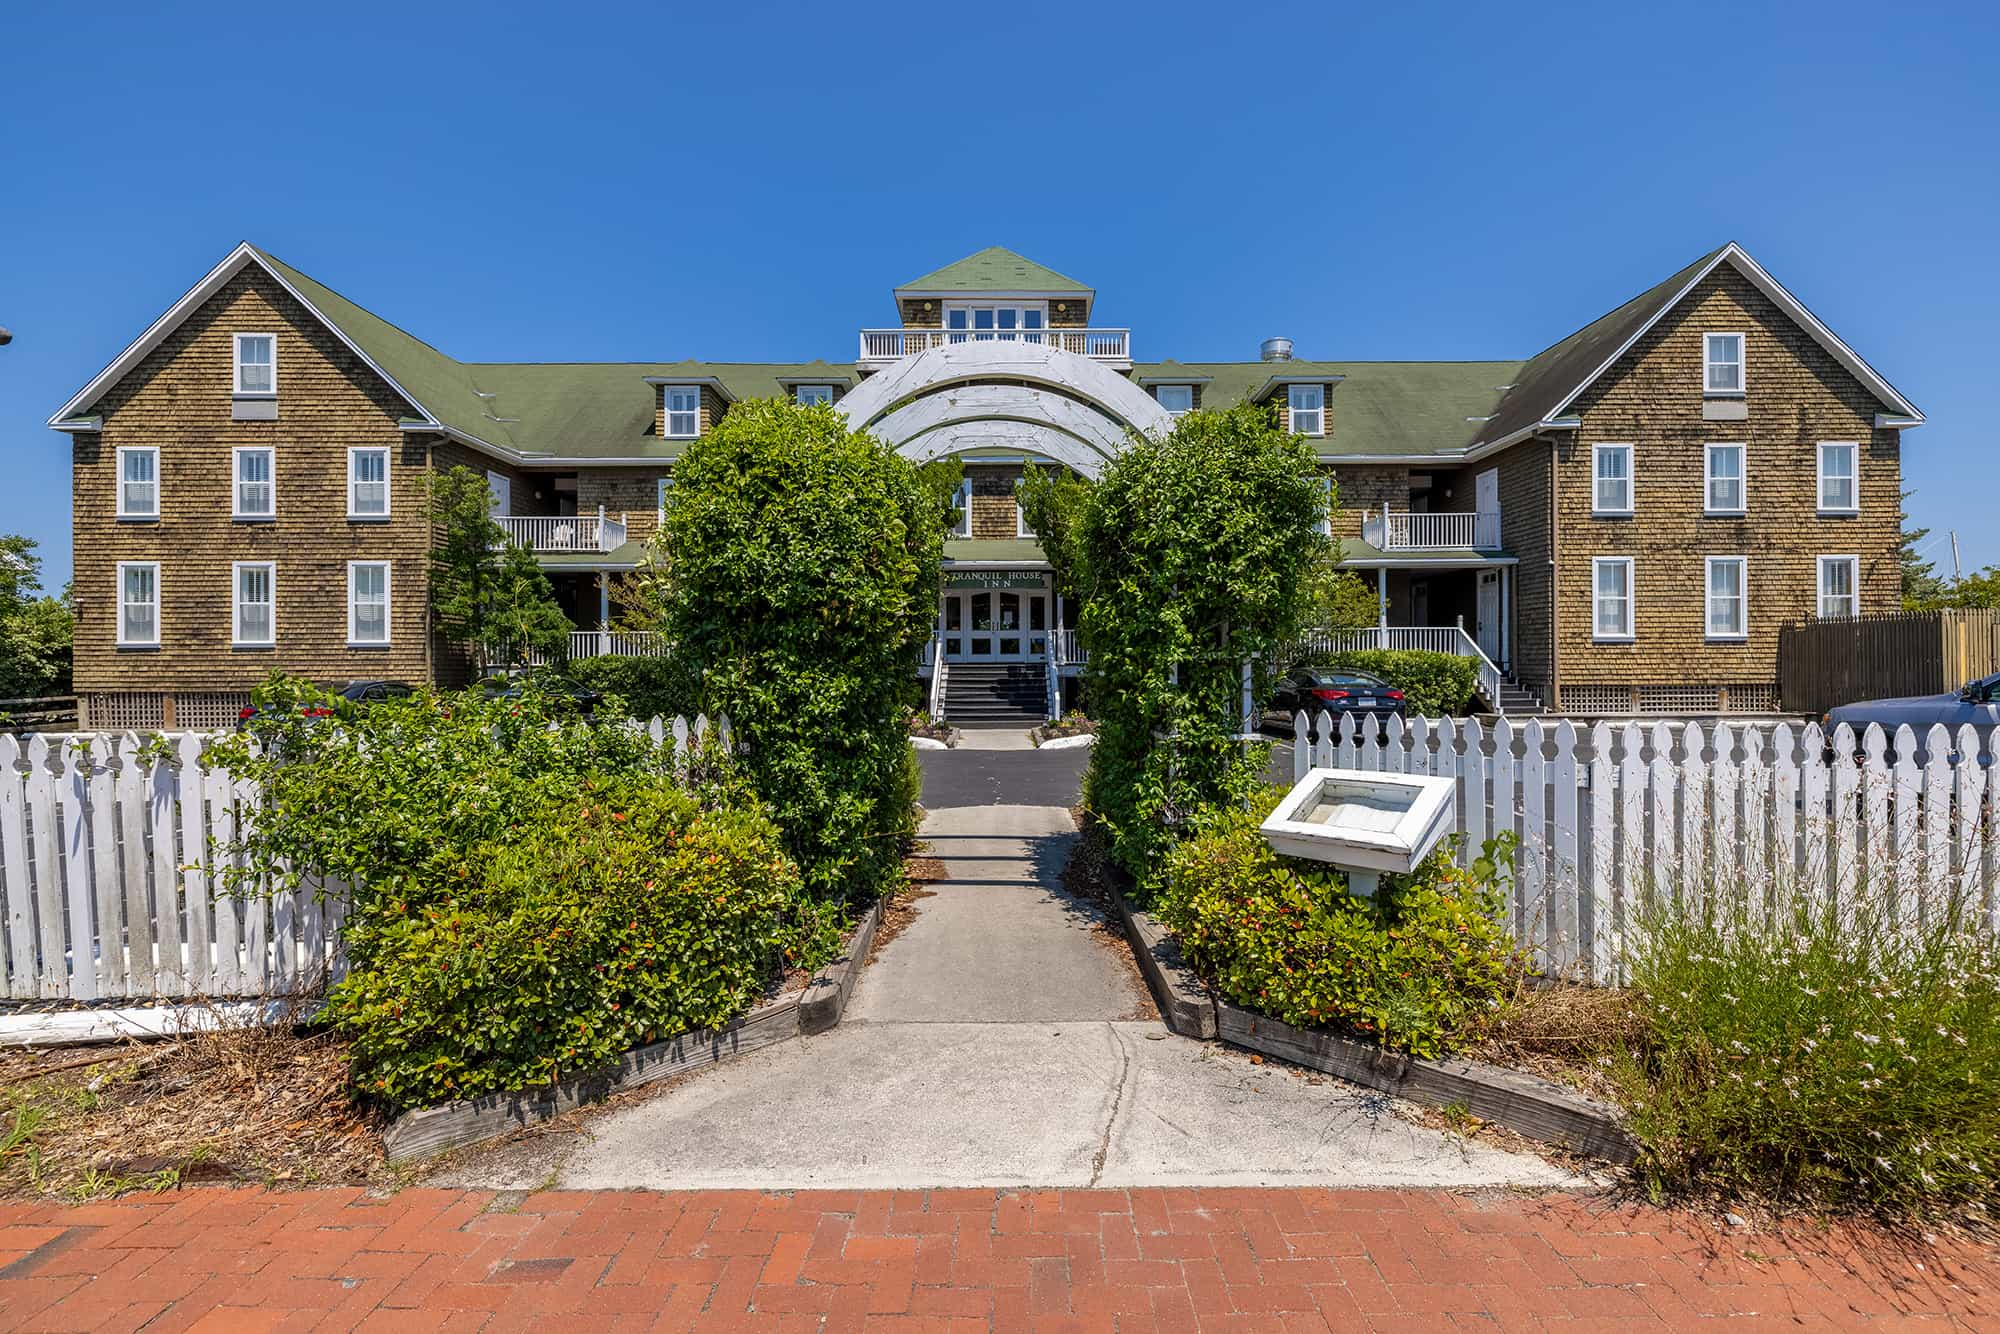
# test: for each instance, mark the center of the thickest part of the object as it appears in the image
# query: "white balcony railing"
(885, 345)
(1391, 530)
(606, 644)
(1068, 652)
(564, 532)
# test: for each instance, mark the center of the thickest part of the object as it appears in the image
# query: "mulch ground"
(219, 1258)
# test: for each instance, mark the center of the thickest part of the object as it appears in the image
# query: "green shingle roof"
(1015, 549)
(994, 269)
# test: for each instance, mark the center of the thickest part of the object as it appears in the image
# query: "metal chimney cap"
(1275, 349)
(5, 337)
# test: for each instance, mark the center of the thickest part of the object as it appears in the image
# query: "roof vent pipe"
(1275, 349)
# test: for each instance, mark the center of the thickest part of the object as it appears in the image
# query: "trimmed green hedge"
(1434, 685)
(665, 686)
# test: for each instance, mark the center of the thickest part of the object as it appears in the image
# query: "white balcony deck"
(564, 533)
(1395, 530)
(879, 347)
(606, 644)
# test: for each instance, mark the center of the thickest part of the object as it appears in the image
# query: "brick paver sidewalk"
(1173, 1260)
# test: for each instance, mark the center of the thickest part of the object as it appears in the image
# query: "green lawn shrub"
(663, 687)
(1419, 969)
(1818, 1057)
(1434, 685)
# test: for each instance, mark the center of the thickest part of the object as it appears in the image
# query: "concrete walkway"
(1005, 1038)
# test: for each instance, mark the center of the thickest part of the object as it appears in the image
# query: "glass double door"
(993, 625)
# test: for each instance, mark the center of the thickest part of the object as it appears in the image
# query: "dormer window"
(982, 323)
(1722, 364)
(806, 395)
(1308, 405)
(683, 411)
(256, 365)
(961, 506)
(1175, 398)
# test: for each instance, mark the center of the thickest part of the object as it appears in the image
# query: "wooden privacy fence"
(111, 882)
(1826, 663)
(1609, 814)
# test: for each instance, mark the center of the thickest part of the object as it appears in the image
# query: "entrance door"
(996, 626)
(1486, 503)
(1488, 630)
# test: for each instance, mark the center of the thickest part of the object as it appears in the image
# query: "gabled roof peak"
(996, 269)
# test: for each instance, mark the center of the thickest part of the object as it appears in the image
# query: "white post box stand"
(1362, 821)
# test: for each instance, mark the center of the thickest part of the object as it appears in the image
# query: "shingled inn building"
(1618, 524)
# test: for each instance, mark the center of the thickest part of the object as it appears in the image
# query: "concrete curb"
(1185, 1001)
(1521, 1102)
(427, 1131)
(825, 997)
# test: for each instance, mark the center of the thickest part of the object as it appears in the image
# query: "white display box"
(1358, 818)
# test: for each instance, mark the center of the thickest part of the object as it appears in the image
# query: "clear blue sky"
(743, 182)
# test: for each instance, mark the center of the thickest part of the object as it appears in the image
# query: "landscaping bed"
(1070, 726)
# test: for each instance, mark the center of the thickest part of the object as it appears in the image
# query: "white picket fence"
(1611, 813)
(111, 886)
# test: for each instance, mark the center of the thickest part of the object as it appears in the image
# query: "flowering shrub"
(1817, 1057)
(1418, 969)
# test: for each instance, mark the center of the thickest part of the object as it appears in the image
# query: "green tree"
(1977, 590)
(1052, 503)
(487, 592)
(798, 573)
(35, 629)
(1194, 550)
(1921, 585)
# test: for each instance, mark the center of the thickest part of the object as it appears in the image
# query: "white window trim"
(1160, 389)
(118, 499)
(1853, 564)
(666, 484)
(667, 392)
(1631, 601)
(996, 333)
(962, 502)
(1708, 505)
(154, 566)
(236, 570)
(388, 605)
(1631, 478)
(236, 367)
(388, 499)
(1742, 632)
(1292, 408)
(1742, 364)
(800, 390)
(1853, 476)
(1325, 525)
(236, 511)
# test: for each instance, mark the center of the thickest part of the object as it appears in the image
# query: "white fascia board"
(1304, 378)
(1088, 295)
(708, 380)
(1173, 379)
(1446, 563)
(1784, 300)
(1888, 422)
(211, 283)
(949, 564)
(80, 424)
(790, 380)
(408, 427)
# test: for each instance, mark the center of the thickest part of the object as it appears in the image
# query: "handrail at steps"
(937, 678)
(1491, 681)
(1054, 688)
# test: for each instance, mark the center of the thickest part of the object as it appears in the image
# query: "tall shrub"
(487, 592)
(1434, 685)
(799, 566)
(1192, 552)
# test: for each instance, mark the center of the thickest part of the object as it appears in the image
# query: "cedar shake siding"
(178, 399)
(1362, 487)
(1796, 396)
(994, 512)
(1524, 532)
(631, 494)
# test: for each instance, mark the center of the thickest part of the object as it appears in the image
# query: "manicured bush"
(612, 917)
(1817, 1056)
(1418, 969)
(799, 575)
(664, 687)
(1434, 685)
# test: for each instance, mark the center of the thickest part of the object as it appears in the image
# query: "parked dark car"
(512, 684)
(1323, 689)
(356, 694)
(1977, 703)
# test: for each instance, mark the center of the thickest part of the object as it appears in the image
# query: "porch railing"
(1393, 530)
(1067, 651)
(606, 644)
(1452, 639)
(564, 532)
(880, 345)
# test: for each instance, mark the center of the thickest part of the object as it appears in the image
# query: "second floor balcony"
(1401, 530)
(1113, 347)
(564, 532)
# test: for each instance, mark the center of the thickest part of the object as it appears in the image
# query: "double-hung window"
(666, 485)
(683, 419)
(961, 504)
(1722, 363)
(1838, 493)
(1611, 471)
(1021, 528)
(367, 602)
(1308, 405)
(1175, 398)
(256, 365)
(138, 482)
(805, 395)
(1725, 485)
(1611, 597)
(1839, 586)
(1727, 597)
(367, 483)
(255, 495)
(138, 604)
(1324, 526)
(254, 605)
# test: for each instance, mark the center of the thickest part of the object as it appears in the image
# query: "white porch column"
(603, 611)
(1382, 599)
(1506, 663)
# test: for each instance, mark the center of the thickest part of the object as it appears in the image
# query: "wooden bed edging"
(1521, 1102)
(825, 997)
(1185, 1002)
